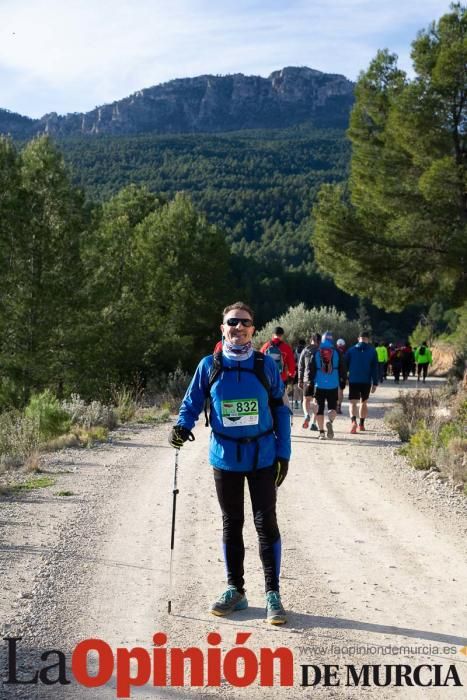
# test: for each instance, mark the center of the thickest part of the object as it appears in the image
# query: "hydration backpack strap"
(258, 370)
(216, 369)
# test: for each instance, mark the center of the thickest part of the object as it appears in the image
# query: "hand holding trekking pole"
(177, 437)
(172, 535)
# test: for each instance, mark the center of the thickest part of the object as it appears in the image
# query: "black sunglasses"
(247, 322)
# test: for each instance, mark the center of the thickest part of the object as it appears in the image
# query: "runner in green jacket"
(383, 359)
(423, 358)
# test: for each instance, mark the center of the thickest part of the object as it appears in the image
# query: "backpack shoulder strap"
(214, 372)
(258, 369)
(216, 369)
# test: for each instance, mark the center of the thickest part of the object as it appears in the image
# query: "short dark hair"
(278, 330)
(239, 305)
(363, 334)
(316, 338)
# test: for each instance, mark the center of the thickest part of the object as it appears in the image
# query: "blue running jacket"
(240, 409)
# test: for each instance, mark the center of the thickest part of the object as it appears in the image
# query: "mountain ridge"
(206, 104)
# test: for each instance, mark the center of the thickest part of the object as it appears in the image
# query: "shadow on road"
(311, 621)
(302, 621)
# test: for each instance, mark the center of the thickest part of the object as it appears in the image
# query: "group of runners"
(244, 392)
(320, 371)
(401, 360)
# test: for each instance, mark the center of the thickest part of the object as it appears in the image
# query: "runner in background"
(362, 363)
(423, 358)
(327, 371)
(283, 356)
(387, 366)
(383, 359)
(341, 347)
(395, 361)
(305, 382)
(407, 360)
(298, 396)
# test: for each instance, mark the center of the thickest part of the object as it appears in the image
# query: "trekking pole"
(172, 536)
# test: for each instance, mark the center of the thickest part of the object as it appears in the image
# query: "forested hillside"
(253, 184)
(257, 186)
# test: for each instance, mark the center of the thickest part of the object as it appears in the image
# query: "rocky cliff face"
(211, 103)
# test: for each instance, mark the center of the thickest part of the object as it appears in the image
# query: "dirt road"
(374, 559)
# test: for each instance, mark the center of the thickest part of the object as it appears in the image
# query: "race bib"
(240, 412)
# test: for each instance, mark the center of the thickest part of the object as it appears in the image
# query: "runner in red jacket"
(282, 353)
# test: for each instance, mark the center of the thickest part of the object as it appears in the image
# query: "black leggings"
(422, 368)
(230, 493)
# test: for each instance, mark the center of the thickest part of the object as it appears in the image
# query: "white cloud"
(70, 56)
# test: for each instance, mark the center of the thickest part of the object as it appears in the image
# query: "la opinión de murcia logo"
(194, 667)
(162, 666)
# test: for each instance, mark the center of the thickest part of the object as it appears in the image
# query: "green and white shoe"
(229, 601)
(275, 613)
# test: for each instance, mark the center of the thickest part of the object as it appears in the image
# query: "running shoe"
(313, 426)
(330, 429)
(353, 429)
(229, 601)
(321, 435)
(275, 613)
(306, 422)
(362, 428)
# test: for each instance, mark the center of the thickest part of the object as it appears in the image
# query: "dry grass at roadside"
(433, 427)
(48, 424)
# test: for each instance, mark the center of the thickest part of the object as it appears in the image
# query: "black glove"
(179, 435)
(282, 467)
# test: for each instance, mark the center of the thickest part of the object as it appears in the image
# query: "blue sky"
(72, 55)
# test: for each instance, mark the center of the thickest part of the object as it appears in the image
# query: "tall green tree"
(157, 276)
(11, 213)
(184, 281)
(396, 232)
(41, 287)
(113, 340)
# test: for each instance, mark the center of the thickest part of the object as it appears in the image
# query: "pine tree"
(183, 268)
(396, 233)
(41, 290)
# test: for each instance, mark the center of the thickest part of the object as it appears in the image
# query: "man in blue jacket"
(250, 439)
(362, 363)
